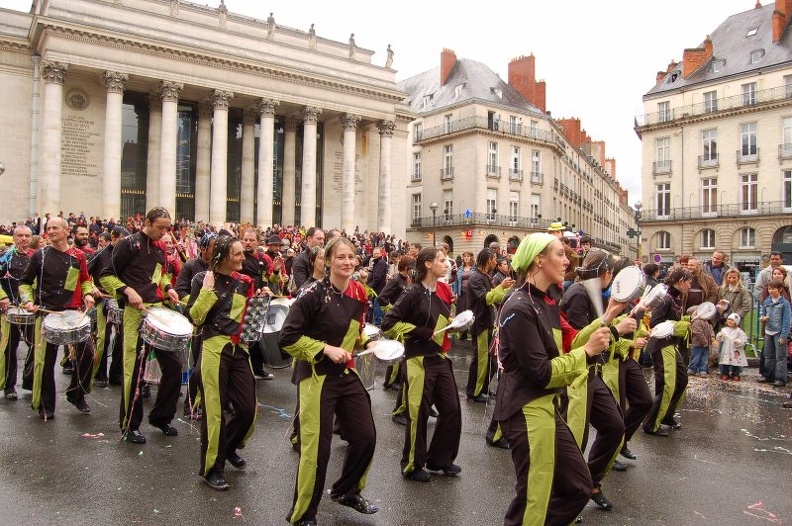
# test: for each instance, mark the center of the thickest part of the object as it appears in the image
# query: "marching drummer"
(138, 271)
(424, 309)
(60, 276)
(321, 330)
(224, 374)
(12, 267)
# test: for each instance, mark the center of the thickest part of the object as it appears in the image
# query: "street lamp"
(433, 207)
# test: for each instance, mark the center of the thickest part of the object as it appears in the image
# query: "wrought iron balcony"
(493, 171)
(483, 124)
(758, 98)
(784, 151)
(480, 219)
(661, 167)
(537, 178)
(747, 158)
(515, 175)
(416, 177)
(446, 174)
(712, 161)
(721, 211)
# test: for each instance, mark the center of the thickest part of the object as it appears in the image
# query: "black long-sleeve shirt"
(13, 264)
(61, 279)
(417, 314)
(100, 260)
(221, 311)
(392, 290)
(301, 268)
(140, 263)
(189, 270)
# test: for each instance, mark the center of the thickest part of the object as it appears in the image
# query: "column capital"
(220, 99)
(53, 72)
(350, 121)
(249, 116)
(114, 81)
(170, 90)
(267, 107)
(291, 125)
(155, 101)
(386, 128)
(310, 114)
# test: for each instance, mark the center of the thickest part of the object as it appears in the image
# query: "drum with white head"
(629, 284)
(662, 330)
(274, 357)
(705, 311)
(19, 316)
(66, 327)
(166, 329)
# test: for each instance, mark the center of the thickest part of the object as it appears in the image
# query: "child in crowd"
(732, 344)
(776, 314)
(701, 337)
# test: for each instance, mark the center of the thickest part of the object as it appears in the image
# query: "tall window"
(536, 166)
(709, 146)
(747, 237)
(516, 160)
(513, 123)
(663, 147)
(514, 206)
(663, 240)
(788, 86)
(748, 192)
(416, 173)
(448, 161)
(448, 124)
(492, 199)
(787, 188)
(748, 139)
(663, 200)
(664, 111)
(749, 94)
(418, 131)
(533, 129)
(535, 200)
(709, 196)
(786, 137)
(710, 101)
(416, 209)
(492, 159)
(707, 239)
(448, 204)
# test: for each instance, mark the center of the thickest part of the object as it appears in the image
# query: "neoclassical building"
(112, 107)
(717, 144)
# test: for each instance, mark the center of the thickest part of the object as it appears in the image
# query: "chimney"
(783, 9)
(522, 77)
(693, 58)
(448, 60)
(660, 76)
(571, 128)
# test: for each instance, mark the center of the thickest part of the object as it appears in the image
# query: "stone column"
(49, 198)
(384, 195)
(308, 193)
(266, 167)
(154, 149)
(168, 144)
(111, 184)
(203, 162)
(219, 177)
(349, 123)
(289, 159)
(248, 190)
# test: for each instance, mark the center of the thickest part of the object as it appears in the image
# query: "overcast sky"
(598, 58)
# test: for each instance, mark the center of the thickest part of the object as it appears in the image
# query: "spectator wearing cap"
(556, 228)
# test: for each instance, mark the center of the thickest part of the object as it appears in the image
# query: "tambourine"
(388, 351)
(628, 284)
(662, 330)
(705, 311)
(461, 321)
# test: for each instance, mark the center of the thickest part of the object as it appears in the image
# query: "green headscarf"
(530, 247)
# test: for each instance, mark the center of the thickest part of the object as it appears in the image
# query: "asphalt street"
(730, 464)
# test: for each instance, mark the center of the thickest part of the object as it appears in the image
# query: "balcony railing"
(482, 123)
(493, 170)
(785, 151)
(749, 158)
(446, 174)
(515, 175)
(720, 211)
(481, 218)
(661, 167)
(537, 178)
(415, 177)
(776, 94)
(712, 161)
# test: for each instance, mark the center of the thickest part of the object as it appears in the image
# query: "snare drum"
(274, 358)
(372, 332)
(115, 314)
(19, 316)
(166, 330)
(66, 327)
(629, 284)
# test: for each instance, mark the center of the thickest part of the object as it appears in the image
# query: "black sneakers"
(418, 475)
(216, 481)
(451, 470)
(235, 460)
(135, 437)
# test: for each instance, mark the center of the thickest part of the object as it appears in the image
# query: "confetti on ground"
(238, 513)
(140, 453)
(756, 510)
(91, 435)
(278, 411)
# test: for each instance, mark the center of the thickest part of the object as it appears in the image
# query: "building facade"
(115, 107)
(717, 145)
(489, 163)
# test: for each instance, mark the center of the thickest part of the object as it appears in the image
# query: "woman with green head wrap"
(553, 481)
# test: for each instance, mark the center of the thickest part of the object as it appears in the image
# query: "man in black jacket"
(301, 268)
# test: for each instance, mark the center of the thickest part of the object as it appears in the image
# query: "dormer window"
(718, 65)
(498, 92)
(756, 55)
(426, 100)
(458, 90)
(751, 32)
(673, 76)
